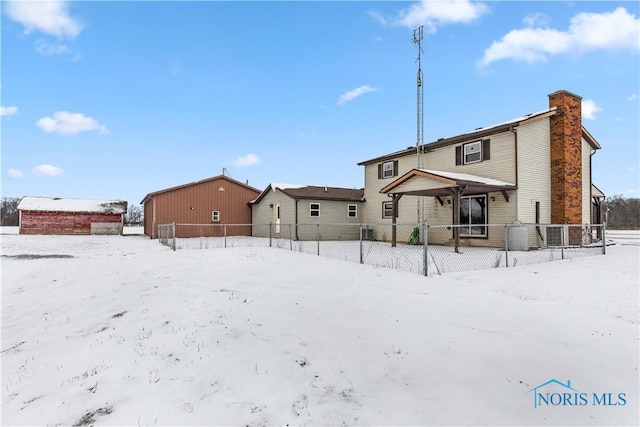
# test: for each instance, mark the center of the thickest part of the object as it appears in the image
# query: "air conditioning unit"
(367, 234)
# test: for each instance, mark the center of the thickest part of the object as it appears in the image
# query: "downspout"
(514, 130)
(593, 151)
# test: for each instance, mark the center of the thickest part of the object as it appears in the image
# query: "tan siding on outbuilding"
(262, 214)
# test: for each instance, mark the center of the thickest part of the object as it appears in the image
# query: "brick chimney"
(566, 159)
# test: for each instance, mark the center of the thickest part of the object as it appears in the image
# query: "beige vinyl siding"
(586, 182)
(334, 221)
(534, 170)
(500, 166)
(534, 174)
(262, 214)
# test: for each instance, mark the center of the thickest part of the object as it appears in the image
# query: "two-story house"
(532, 169)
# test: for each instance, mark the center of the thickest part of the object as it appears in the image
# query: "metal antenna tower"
(417, 40)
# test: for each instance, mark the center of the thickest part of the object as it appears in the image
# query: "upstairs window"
(314, 209)
(352, 211)
(473, 152)
(388, 169)
(215, 216)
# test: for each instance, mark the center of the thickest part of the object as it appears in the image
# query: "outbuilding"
(201, 208)
(54, 215)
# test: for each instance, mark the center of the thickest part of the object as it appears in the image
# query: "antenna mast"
(417, 40)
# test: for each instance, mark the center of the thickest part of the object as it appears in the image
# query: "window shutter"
(458, 155)
(395, 168)
(486, 149)
(380, 171)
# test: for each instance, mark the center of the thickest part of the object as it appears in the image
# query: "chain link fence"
(446, 248)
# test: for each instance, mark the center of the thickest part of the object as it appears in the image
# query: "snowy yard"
(120, 330)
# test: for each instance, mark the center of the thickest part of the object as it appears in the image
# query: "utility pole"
(418, 36)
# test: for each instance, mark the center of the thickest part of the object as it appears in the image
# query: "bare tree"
(135, 215)
(9, 214)
(623, 213)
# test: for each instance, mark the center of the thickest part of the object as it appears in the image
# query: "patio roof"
(425, 182)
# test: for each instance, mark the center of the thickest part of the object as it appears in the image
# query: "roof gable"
(202, 181)
(299, 192)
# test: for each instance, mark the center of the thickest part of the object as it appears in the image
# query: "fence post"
(562, 229)
(318, 238)
(290, 239)
(604, 240)
(225, 236)
(506, 245)
(173, 245)
(270, 226)
(361, 254)
(425, 244)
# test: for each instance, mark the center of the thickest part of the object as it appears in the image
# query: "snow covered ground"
(120, 330)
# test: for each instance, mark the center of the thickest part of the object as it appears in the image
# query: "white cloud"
(46, 49)
(49, 17)
(589, 109)
(353, 94)
(47, 170)
(8, 111)
(433, 13)
(535, 19)
(248, 160)
(66, 123)
(632, 97)
(617, 30)
(14, 173)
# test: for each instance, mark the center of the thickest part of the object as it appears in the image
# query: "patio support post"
(456, 218)
(604, 240)
(395, 198)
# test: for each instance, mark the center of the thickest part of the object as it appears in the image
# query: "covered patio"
(439, 184)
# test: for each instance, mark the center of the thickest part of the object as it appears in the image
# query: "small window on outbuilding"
(352, 211)
(314, 209)
(215, 216)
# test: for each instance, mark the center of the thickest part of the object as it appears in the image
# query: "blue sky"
(113, 100)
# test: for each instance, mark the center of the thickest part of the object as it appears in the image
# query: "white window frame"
(215, 216)
(312, 210)
(387, 170)
(478, 153)
(467, 230)
(384, 210)
(352, 213)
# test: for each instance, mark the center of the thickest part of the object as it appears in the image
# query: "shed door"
(276, 218)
